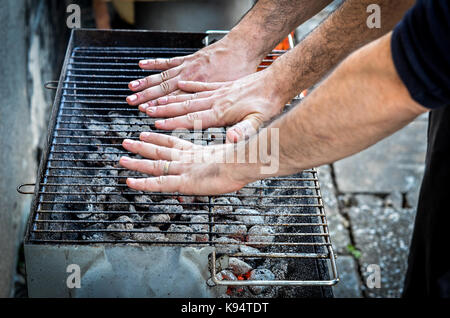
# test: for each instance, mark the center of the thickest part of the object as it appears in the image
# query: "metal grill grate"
(82, 197)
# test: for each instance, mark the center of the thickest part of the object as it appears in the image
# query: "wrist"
(274, 86)
(247, 52)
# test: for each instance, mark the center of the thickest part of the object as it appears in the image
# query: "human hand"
(224, 60)
(245, 103)
(181, 166)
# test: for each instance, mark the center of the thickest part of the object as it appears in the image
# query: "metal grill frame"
(45, 157)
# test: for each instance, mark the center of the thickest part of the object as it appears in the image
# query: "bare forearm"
(269, 21)
(340, 34)
(360, 103)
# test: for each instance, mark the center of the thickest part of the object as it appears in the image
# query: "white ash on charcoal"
(226, 245)
(260, 234)
(199, 225)
(201, 199)
(180, 237)
(102, 184)
(120, 125)
(260, 274)
(137, 127)
(159, 219)
(248, 216)
(111, 154)
(97, 128)
(98, 217)
(189, 214)
(248, 249)
(235, 202)
(236, 231)
(222, 206)
(126, 224)
(94, 236)
(143, 201)
(156, 236)
(238, 267)
(169, 206)
(135, 216)
(114, 202)
(251, 194)
(107, 171)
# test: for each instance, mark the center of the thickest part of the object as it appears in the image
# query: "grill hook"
(19, 188)
(51, 85)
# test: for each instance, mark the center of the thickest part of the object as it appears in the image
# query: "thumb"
(244, 129)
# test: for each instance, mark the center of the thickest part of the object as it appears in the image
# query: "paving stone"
(337, 224)
(383, 235)
(394, 164)
(349, 284)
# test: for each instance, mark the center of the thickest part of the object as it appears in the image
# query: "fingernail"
(134, 84)
(163, 100)
(143, 107)
(160, 122)
(145, 134)
(151, 110)
(132, 98)
(131, 181)
(124, 159)
(144, 62)
(128, 141)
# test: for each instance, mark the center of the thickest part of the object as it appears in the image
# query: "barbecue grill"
(270, 239)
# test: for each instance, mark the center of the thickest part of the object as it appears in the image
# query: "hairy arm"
(360, 103)
(269, 21)
(344, 31)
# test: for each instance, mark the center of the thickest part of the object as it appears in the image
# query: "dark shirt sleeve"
(421, 52)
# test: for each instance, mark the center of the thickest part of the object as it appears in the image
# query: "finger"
(166, 141)
(176, 92)
(161, 64)
(153, 80)
(178, 109)
(244, 129)
(151, 151)
(151, 93)
(158, 184)
(181, 98)
(190, 86)
(202, 119)
(152, 167)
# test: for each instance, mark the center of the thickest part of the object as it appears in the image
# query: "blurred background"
(370, 198)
